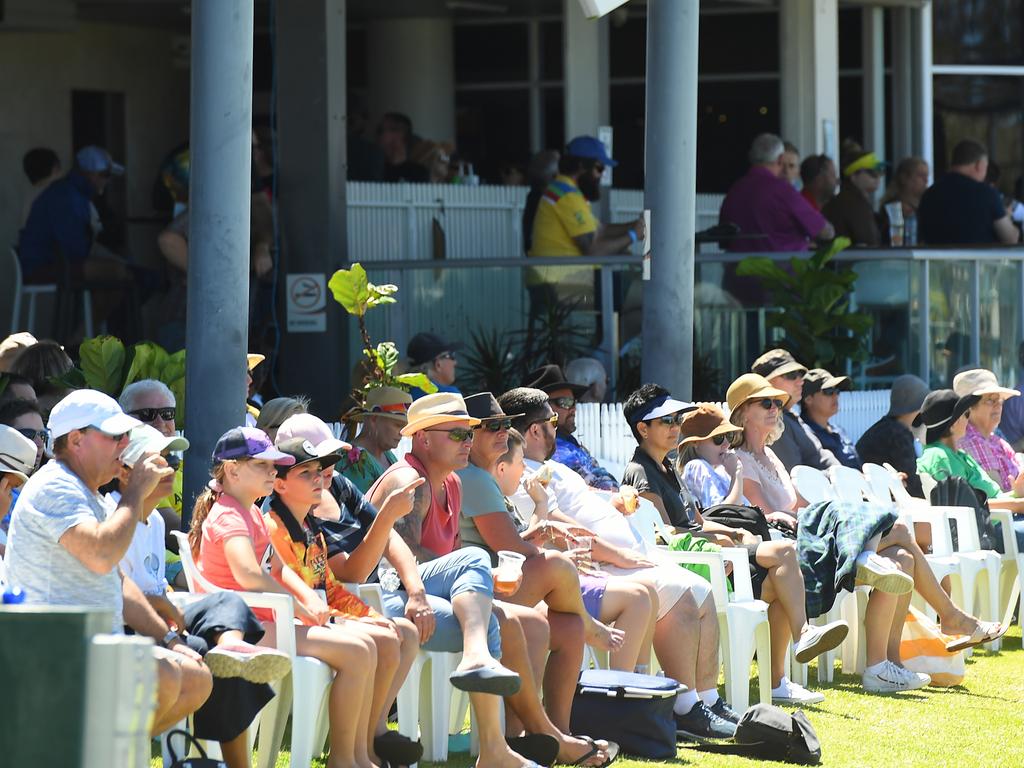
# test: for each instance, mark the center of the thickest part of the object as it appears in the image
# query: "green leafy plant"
(493, 362)
(813, 302)
(105, 364)
(353, 290)
(554, 337)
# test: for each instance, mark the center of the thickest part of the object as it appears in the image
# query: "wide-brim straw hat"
(704, 423)
(439, 408)
(387, 403)
(749, 387)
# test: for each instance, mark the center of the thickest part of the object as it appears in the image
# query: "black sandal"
(539, 747)
(612, 750)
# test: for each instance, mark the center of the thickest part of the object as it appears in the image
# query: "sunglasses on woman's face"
(718, 439)
(458, 435)
(769, 403)
(829, 391)
(35, 434)
(497, 426)
(670, 420)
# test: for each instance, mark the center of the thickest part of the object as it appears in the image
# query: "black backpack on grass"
(769, 733)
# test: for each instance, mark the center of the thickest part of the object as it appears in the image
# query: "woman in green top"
(382, 416)
(945, 416)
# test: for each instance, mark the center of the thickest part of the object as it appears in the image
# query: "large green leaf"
(351, 289)
(147, 362)
(759, 266)
(416, 380)
(102, 360)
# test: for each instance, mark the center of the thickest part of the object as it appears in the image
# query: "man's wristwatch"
(170, 639)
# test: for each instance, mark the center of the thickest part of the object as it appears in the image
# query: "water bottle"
(388, 577)
(910, 230)
(13, 595)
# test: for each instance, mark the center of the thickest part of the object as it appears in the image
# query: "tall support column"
(913, 109)
(586, 71)
(873, 56)
(671, 192)
(809, 74)
(218, 284)
(924, 107)
(312, 210)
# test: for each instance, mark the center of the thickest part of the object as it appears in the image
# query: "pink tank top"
(440, 530)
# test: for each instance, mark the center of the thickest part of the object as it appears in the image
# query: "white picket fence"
(603, 430)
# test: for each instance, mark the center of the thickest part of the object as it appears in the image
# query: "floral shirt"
(568, 451)
(362, 468)
(994, 455)
(302, 548)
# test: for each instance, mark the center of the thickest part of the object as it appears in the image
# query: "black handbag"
(190, 762)
(766, 732)
(748, 518)
(633, 710)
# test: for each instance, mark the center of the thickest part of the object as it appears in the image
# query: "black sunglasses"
(769, 403)
(718, 439)
(793, 375)
(497, 425)
(670, 420)
(42, 434)
(458, 434)
(563, 402)
(149, 415)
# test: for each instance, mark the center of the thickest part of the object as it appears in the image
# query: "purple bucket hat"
(248, 443)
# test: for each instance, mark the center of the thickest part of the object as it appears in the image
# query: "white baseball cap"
(17, 453)
(311, 428)
(146, 439)
(89, 408)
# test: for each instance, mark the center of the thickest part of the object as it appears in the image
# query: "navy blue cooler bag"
(632, 710)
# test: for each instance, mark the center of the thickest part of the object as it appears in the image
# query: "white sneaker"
(914, 679)
(889, 678)
(789, 692)
(817, 640)
(883, 574)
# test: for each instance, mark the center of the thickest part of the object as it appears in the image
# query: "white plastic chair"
(303, 694)
(1011, 573)
(35, 290)
(742, 621)
(812, 484)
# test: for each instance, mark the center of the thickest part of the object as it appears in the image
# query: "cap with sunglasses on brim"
(484, 406)
(549, 378)
(17, 454)
(777, 362)
(85, 408)
(299, 451)
(751, 386)
(663, 405)
(818, 379)
(425, 346)
(439, 408)
(248, 443)
(704, 423)
(981, 382)
(940, 410)
(867, 161)
(386, 403)
(146, 439)
(306, 426)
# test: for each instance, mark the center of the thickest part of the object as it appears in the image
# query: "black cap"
(424, 347)
(483, 406)
(303, 452)
(549, 378)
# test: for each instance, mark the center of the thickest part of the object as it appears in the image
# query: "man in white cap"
(66, 539)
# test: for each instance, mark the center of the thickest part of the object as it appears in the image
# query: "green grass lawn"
(979, 723)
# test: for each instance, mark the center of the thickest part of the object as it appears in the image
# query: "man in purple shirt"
(764, 203)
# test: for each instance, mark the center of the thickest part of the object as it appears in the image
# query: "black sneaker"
(724, 711)
(701, 723)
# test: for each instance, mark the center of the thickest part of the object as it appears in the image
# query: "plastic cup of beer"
(509, 570)
(630, 498)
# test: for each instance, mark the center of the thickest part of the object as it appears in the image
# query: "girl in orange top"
(300, 543)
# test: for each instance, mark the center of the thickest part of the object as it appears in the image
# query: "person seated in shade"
(797, 445)
(298, 539)
(434, 357)
(819, 402)
(890, 439)
(945, 414)
(563, 396)
(980, 440)
(383, 414)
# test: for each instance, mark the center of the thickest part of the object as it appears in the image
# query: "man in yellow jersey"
(565, 225)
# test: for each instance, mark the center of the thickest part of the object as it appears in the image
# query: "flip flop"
(539, 747)
(985, 632)
(612, 750)
(496, 680)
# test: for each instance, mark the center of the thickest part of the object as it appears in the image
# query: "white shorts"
(669, 581)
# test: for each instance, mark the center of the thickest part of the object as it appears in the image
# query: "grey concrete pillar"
(671, 192)
(311, 191)
(218, 277)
